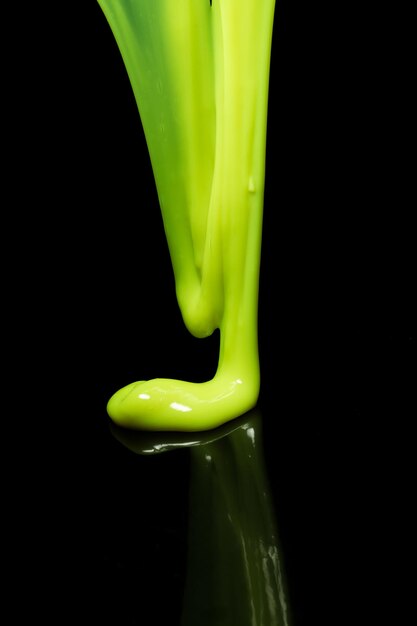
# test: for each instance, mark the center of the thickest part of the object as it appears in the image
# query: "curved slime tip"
(168, 404)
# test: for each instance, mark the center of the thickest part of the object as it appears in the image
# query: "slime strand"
(200, 72)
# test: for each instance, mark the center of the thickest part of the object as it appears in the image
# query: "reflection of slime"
(234, 575)
(200, 72)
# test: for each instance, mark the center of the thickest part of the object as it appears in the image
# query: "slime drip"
(200, 72)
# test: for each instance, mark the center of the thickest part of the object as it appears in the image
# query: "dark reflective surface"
(235, 573)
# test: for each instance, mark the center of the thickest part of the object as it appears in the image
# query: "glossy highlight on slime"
(200, 73)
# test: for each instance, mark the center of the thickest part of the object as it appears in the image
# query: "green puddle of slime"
(200, 73)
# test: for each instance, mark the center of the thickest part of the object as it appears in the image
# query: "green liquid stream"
(200, 74)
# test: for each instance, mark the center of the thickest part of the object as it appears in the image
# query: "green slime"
(200, 75)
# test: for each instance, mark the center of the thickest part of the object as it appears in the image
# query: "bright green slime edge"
(200, 76)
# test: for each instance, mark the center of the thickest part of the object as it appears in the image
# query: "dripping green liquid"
(200, 73)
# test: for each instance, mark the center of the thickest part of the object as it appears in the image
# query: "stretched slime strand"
(200, 73)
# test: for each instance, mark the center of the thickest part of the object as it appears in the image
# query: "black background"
(100, 534)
